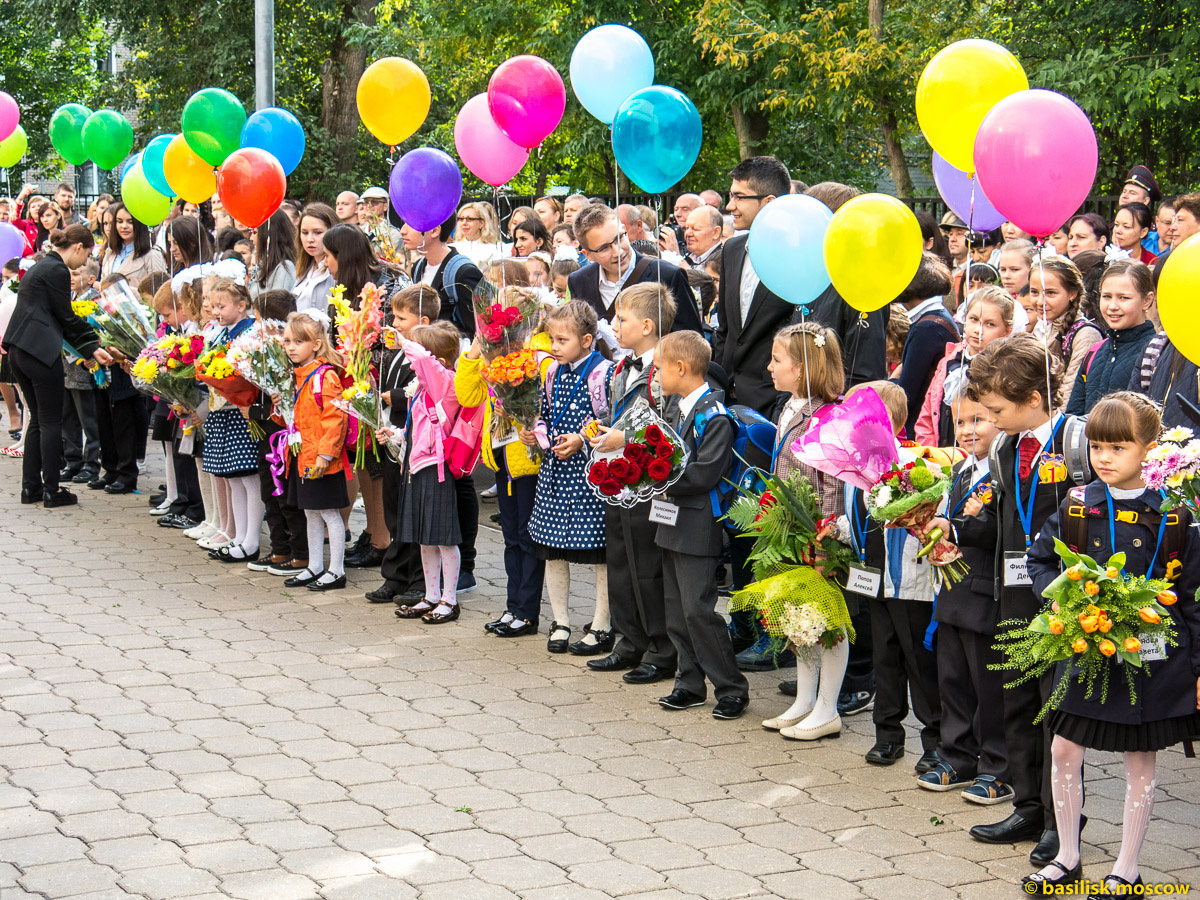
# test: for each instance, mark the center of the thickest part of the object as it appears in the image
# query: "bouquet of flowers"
(504, 318)
(167, 369)
(1095, 613)
(216, 369)
(907, 497)
(359, 330)
(1172, 467)
(84, 308)
(258, 358)
(123, 321)
(650, 462)
(515, 385)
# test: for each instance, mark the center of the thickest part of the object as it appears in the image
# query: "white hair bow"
(226, 268)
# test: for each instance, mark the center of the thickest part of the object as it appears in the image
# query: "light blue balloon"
(279, 133)
(127, 165)
(656, 137)
(610, 63)
(152, 164)
(787, 247)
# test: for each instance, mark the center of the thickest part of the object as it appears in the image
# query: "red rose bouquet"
(505, 317)
(650, 462)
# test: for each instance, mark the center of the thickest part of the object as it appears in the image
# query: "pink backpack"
(462, 447)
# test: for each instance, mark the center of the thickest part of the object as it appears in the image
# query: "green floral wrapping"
(906, 503)
(792, 587)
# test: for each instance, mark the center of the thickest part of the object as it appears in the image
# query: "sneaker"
(141, 467)
(265, 563)
(466, 583)
(851, 703)
(739, 637)
(489, 494)
(763, 656)
(942, 777)
(987, 790)
(287, 568)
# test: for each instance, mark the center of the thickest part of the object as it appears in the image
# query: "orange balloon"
(189, 176)
(393, 98)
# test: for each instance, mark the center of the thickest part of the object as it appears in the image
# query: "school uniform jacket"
(970, 604)
(629, 384)
(584, 284)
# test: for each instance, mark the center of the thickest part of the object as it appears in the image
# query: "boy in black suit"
(690, 535)
(1015, 378)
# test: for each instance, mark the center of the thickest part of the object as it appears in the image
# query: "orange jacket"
(322, 428)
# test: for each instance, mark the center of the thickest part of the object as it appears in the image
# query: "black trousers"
(401, 567)
(43, 388)
(118, 439)
(1029, 749)
(524, 572)
(635, 587)
(142, 418)
(190, 501)
(468, 520)
(82, 444)
(702, 645)
(860, 669)
(972, 732)
(286, 525)
(904, 668)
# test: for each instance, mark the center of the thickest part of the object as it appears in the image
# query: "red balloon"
(251, 184)
(526, 98)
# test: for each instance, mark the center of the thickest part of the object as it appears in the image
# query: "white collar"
(923, 307)
(1127, 494)
(977, 466)
(625, 273)
(579, 363)
(647, 359)
(696, 260)
(688, 403)
(1042, 433)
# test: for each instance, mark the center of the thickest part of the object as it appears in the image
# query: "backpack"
(450, 285)
(753, 452)
(461, 448)
(595, 386)
(1074, 530)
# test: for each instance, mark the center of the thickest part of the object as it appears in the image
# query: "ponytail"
(63, 238)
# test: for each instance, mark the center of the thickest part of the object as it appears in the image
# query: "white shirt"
(1041, 434)
(312, 291)
(748, 286)
(480, 252)
(430, 272)
(925, 306)
(688, 403)
(697, 262)
(610, 289)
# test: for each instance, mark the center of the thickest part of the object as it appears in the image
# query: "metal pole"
(264, 53)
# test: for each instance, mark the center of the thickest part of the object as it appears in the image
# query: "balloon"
(212, 124)
(956, 91)
(12, 242)
(964, 196)
(66, 132)
(144, 203)
(656, 137)
(786, 247)
(279, 133)
(608, 65)
(252, 185)
(393, 98)
(107, 138)
(128, 165)
(10, 115)
(873, 249)
(526, 98)
(1177, 298)
(484, 149)
(12, 148)
(425, 187)
(152, 164)
(188, 176)
(1036, 157)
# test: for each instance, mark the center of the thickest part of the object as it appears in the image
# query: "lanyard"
(304, 384)
(629, 397)
(859, 534)
(1112, 532)
(962, 501)
(583, 376)
(1025, 510)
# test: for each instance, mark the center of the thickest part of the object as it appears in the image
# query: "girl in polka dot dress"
(567, 524)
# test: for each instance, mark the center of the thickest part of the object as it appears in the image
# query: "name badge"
(506, 437)
(1016, 570)
(864, 580)
(1154, 648)
(663, 513)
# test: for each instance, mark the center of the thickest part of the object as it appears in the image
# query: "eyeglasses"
(738, 198)
(611, 245)
(469, 219)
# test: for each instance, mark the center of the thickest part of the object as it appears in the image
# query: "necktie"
(1028, 449)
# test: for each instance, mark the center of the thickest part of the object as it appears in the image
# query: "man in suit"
(439, 259)
(613, 265)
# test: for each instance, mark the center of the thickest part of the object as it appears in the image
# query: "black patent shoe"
(1116, 886)
(28, 496)
(61, 497)
(304, 579)
(614, 662)
(336, 585)
(515, 628)
(558, 645)
(603, 644)
(504, 619)
(1040, 884)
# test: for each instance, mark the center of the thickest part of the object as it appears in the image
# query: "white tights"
(320, 523)
(558, 583)
(172, 485)
(248, 512)
(224, 495)
(208, 493)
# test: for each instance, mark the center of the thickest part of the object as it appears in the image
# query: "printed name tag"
(1016, 572)
(864, 580)
(1154, 648)
(663, 513)
(506, 438)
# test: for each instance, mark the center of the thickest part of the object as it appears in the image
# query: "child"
(972, 750)
(989, 315)
(560, 271)
(1055, 292)
(316, 481)
(1014, 379)
(692, 543)
(806, 363)
(1118, 514)
(897, 333)
(538, 264)
(1016, 259)
(81, 436)
(567, 524)
(230, 453)
(429, 507)
(635, 563)
(217, 501)
(931, 330)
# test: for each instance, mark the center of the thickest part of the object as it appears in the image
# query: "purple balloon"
(12, 242)
(955, 187)
(425, 188)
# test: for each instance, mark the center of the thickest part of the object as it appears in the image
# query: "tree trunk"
(896, 161)
(339, 82)
(751, 128)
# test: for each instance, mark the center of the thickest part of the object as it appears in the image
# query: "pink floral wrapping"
(853, 440)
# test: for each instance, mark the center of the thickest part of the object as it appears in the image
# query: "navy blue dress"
(229, 451)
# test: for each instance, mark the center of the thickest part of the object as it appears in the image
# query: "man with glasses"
(372, 219)
(613, 265)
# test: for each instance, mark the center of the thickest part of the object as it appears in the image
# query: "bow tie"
(636, 363)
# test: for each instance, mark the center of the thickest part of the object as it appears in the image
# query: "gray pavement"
(171, 727)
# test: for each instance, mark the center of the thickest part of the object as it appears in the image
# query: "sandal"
(415, 612)
(1050, 885)
(434, 618)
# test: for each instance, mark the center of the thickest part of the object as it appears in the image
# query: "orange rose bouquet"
(515, 385)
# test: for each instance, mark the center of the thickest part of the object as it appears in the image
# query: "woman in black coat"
(42, 320)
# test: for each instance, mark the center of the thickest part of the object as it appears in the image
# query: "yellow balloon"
(393, 98)
(1177, 298)
(958, 89)
(189, 176)
(873, 249)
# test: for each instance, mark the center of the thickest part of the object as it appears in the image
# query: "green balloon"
(12, 148)
(107, 138)
(144, 203)
(212, 124)
(66, 132)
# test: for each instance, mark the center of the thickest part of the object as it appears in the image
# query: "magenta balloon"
(483, 147)
(972, 206)
(10, 115)
(526, 98)
(1036, 156)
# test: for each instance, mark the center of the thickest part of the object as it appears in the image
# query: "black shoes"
(730, 707)
(118, 487)
(61, 497)
(558, 645)
(885, 753)
(614, 662)
(1046, 850)
(28, 496)
(336, 585)
(385, 593)
(851, 703)
(1012, 830)
(1040, 884)
(69, 472)
(225, 555)
(787, 688)
(369, 558)
(647, 673)
(177, 520)
(603, 644)
(98, 483)
(466, 583)
(515, 628)
(304, 579)
(83, 476)
(680, 699)
(928, 762)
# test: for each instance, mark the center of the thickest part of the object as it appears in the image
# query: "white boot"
(807, 659)
(824, 721)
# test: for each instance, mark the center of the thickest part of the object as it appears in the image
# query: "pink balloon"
(483, 147)
(526, 98)
(10, 115)
(1036, 156)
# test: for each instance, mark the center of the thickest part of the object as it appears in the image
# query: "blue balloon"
(610, 63)
(787, 247)
(152, 164)
(656, 137)
(127, 165)
(279, 133)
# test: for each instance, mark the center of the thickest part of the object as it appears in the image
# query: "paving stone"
(269, 885)
(616, 876)
(66, 878)
(713, 882)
